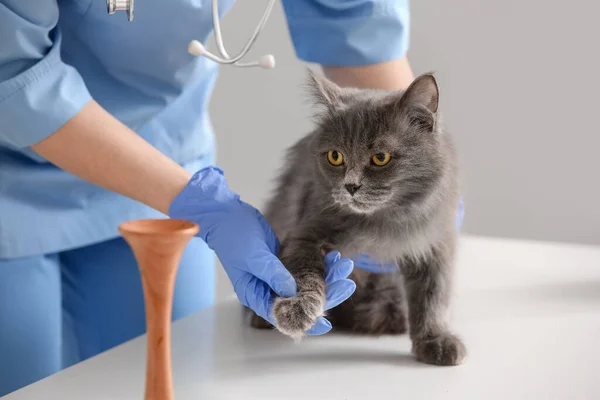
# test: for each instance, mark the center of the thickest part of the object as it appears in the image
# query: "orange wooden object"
(158, 245)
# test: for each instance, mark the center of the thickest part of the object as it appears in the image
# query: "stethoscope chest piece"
(120, 5)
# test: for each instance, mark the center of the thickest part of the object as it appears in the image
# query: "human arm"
(388, 75)
(363, 43)
(98, 148)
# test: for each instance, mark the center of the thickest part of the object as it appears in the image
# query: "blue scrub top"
(57, 55)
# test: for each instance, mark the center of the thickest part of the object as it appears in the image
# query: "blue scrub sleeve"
(348, 32)
(38, 92)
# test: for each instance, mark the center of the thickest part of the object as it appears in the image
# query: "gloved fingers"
(255, 294)
(378, 268)
(365, 263)
(337, 268)
(266, 266)
(332, 257)
(321, 327)
(338, 292)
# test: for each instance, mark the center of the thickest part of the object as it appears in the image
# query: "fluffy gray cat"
(377, 176)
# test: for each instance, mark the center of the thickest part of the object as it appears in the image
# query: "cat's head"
(374, 149)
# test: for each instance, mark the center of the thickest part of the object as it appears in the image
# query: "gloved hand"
(364, 262)
(247, 246)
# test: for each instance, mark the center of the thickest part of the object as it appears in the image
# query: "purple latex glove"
(247, 247)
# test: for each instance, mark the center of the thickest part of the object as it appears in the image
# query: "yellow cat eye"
(380, 159)
(335, 158)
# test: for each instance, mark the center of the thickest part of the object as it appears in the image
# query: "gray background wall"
(519, 84)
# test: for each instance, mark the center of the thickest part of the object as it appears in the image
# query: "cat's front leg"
(295, 315)
(428, 284)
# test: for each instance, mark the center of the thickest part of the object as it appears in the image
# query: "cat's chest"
(384, 244)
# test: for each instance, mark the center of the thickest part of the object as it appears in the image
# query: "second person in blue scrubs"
(104, 121)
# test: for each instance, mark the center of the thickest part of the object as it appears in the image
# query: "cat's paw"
(445, 349)
(295, 315)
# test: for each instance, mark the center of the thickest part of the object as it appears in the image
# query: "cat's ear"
(420, 102)
(324, 92)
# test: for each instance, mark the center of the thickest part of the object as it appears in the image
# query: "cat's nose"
(352, 188)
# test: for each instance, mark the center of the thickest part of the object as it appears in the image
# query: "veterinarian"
(104, 120)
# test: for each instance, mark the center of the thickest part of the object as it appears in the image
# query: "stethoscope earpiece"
(196, 48)
(267, 61)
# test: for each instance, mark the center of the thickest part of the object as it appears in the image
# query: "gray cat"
(377, 176)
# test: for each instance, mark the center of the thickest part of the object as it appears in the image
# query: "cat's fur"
(405, 211)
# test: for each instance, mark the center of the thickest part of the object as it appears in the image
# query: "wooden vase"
(158, 245)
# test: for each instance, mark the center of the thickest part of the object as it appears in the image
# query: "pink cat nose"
(352, 188)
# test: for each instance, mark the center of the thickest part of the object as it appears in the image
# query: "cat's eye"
(335, 158)
(380, 159)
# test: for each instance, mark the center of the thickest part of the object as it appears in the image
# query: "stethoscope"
(196, 48)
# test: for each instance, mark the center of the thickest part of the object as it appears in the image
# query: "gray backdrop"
(519, 90)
